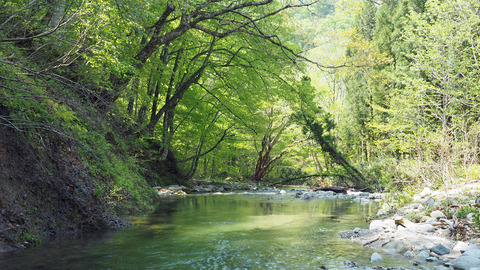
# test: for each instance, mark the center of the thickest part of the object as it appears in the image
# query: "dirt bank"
(45, 191)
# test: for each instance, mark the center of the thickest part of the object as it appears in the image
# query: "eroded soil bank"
(45, 192)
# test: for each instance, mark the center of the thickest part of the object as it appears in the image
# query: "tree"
(446, 47)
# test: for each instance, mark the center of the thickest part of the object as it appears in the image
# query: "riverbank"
(298, 192)
(46, 192)
(438, 229)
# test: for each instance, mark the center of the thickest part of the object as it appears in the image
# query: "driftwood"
(336, 189)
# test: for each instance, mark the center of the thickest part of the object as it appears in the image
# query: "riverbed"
(223, 231)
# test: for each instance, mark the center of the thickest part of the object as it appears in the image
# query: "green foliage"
(463, 211)
(31, 239)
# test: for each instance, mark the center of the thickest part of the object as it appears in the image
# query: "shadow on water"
(245, 231)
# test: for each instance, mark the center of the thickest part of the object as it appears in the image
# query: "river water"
(236, 231)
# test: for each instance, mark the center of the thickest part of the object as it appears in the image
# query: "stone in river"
(375, 257)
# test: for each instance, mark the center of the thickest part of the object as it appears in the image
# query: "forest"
(377, 94)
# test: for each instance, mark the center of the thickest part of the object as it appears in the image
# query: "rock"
(390, 223)
(376, 257)
(421, 257)
(409, 254)
(175, 188)
(209, 188)
(432, 259)
(430, 220)
(283, 192)
(425, 192)
(466, 263)
(460, 246)
(180, 192)
(472, 248)
(377, 225)
(306, 196)
(437, 214)
(397, 247)
(472, 253)
(428, 246)
(422, 228)
(440, 249)
(428, 201)
(376, 196)
(364, 194)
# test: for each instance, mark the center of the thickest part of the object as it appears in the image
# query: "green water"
(241, 231)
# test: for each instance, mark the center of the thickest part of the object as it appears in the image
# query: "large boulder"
(475, 253)
(466, 263)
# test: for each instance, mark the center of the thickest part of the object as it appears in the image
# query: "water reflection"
(216, 232)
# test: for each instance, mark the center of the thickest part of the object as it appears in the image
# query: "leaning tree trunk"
(337, 157)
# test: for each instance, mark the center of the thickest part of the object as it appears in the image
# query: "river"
(235, 231)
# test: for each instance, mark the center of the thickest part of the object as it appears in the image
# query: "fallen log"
(336, 189)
